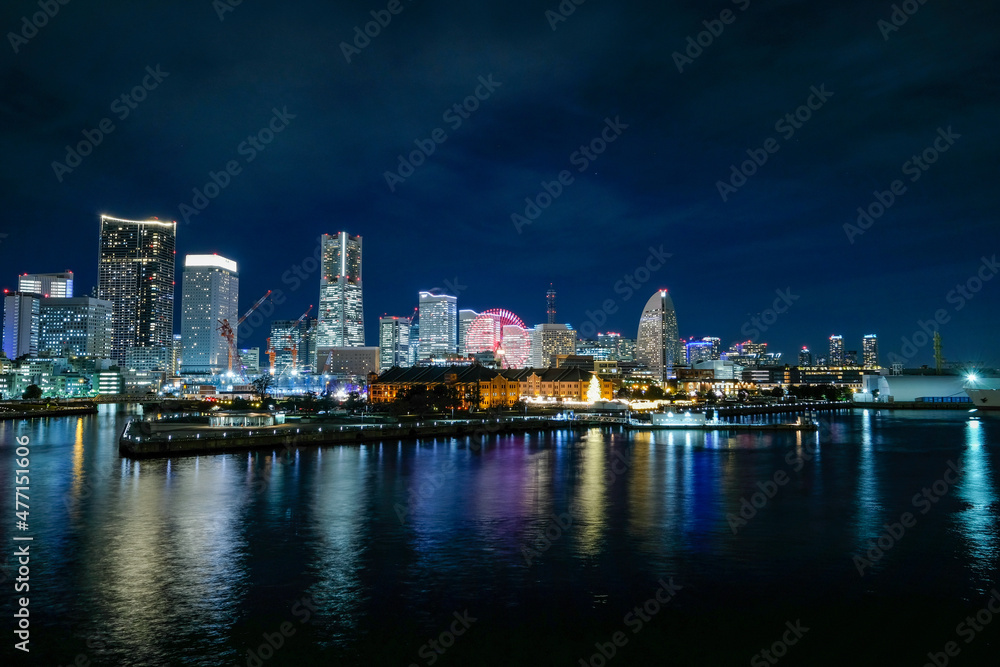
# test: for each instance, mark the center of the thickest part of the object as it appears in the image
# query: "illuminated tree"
(594, 390)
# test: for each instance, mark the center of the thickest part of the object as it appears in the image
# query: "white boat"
(984, 393)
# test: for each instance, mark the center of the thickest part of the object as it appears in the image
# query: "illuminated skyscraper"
(209, 293)
(465, 318)
(836, 351)
(341, 307)
(438, 326)
(658, 343)
(136, 274)
(869, 351)
(175, 355)
(394, 342)
(21, 324)
(805, 357)
(549, 341)
(699, 350)
(49, 285)
(716, 347)
(414, 338)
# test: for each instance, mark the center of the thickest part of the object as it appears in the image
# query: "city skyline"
(343, 294)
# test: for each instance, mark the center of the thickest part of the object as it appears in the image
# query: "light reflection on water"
(977, 523)
(184, 559)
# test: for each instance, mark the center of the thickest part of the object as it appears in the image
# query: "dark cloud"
(656, 184)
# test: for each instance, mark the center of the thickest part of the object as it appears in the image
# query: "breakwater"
(10, 412)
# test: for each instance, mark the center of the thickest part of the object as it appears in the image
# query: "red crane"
(226, 331)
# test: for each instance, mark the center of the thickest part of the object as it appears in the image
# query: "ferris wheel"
(503, 333)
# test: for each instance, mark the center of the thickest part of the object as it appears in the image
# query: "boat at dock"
(984, 393)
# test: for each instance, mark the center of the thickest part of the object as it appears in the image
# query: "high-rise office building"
(465, 318)
(21, 324)
(288, 348)
(136, 274)
(309, 345)
(394, 342)
(716, 347)
(626, 349)
(415, 339)
(75, 327)
(341, 316)
(805, 357)
(438, 326)
(658, 343)
(593, 349)
(148, 360)
(49, 285)
(210, 293)
(550, 341)
(348, 363)
(607, 347)
(146, 368)
(748, 354)
(869, 350)
(176, 356)
(698, 350)
(836, 357)
(250, 356)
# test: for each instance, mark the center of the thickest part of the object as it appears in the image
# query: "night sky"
(886, 93)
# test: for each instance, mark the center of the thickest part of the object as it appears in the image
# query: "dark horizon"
(869, 99)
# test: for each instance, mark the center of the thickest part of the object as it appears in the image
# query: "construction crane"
(271, 354)
(226, 331)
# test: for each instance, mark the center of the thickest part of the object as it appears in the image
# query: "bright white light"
(971, 377)
(215, 261)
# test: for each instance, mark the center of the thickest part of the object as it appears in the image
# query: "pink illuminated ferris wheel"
(503, 333)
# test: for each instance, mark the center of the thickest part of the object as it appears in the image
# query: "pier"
(144, 439)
